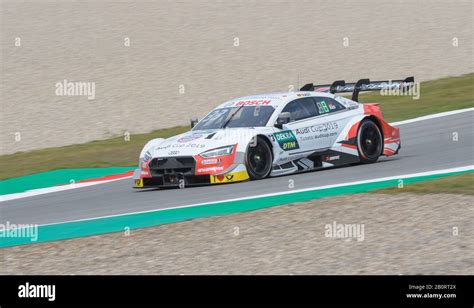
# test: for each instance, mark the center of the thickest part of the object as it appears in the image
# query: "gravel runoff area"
(402, 234)
(144, 56)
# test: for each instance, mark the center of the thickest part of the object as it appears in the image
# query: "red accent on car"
(390, 134)
(350, 146)
(353, 131)
(145, 170)
(222, 164)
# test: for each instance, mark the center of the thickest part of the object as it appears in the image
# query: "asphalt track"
(426, 145)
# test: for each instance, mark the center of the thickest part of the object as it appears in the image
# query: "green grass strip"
(461, 184)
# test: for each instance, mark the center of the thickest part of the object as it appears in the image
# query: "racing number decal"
(322, 107)
(325, 106)
(287, 140)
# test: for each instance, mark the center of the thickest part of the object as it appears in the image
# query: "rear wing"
(340, 86)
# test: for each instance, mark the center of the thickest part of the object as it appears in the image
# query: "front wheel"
(259, 159)
(369, 142)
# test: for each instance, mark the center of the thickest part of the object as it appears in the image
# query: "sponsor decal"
(254, 102)
(181, 145)
(223, 177)
(320, 128)
(138, 183)
(211, 161)
(287, 140)
(293, 157)
(318, 136)
(209, 169)
(189, 138)
(329, 158)
(346, 88)
(230, 177)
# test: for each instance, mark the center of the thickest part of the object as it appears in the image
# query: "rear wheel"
(369, 142)
(259, 159)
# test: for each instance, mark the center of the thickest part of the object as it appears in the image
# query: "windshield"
(244, 116)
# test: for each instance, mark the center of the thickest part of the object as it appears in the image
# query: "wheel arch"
(379, 125)
(150, 144)
(270, 144)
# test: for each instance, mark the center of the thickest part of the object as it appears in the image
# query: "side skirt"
(315, 161)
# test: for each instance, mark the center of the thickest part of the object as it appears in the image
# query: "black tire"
(369, 142)
(259, 159)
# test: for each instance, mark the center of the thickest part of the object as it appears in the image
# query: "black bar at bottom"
(379, 291)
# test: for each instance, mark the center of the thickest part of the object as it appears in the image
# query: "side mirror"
(283, 118)
(194, 121)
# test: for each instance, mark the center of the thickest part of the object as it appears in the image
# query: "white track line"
(432, 116)
(41, 191)
(396, 177)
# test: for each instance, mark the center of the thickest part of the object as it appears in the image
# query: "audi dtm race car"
(274, 134)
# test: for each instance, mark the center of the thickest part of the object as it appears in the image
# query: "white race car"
(274, 134)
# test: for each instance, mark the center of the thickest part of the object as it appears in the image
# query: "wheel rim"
(370, 141)
(258, 160)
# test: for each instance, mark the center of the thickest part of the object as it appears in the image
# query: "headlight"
(227, 150)
(147, 156)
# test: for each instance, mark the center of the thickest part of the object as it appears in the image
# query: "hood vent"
(210, 136)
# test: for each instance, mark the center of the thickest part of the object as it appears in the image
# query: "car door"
(300, 135)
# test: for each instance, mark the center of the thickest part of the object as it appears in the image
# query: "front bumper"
(181, 172)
